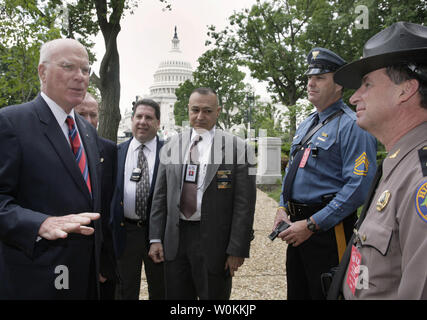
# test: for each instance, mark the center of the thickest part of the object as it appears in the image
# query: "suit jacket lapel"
(121, 160)
(181, 149)
(56, 137)
(156, 164)
(216, 148)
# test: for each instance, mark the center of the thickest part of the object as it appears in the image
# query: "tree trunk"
(109, 111)
(109, 72)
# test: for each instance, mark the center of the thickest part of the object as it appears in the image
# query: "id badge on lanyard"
(191, 173)
(304, 157)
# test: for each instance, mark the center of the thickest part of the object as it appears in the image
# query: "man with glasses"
(50, 230)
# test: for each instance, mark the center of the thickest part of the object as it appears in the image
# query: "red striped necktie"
(77, 149)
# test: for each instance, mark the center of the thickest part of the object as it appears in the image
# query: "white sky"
(145, 39)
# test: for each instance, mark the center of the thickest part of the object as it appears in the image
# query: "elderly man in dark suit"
(89, 110)
(138, 160)
(49, 188)
(203, 205)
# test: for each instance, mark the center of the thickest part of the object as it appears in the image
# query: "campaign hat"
(401, 43)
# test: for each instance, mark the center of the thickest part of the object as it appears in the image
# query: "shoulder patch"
(422, 153)
(361, 165)
(421, 201)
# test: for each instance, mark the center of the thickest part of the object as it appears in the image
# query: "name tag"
(354, 269)
(191, 172)
(304, 157)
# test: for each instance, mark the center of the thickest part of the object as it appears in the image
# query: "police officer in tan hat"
(387, 256)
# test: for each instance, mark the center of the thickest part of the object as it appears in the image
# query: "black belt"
(139, 222)
(189, 222)
(300, 211)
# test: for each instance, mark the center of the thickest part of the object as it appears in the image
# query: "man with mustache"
(203, 206)
(331, 164)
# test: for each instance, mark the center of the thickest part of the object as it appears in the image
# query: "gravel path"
(262, 276)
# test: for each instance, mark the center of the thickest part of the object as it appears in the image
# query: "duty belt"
(300, 211)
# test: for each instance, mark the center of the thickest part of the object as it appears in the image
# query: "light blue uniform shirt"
(345, 165)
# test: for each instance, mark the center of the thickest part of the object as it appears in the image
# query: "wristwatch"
(311, 226)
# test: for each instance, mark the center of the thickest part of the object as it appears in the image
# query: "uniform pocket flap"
(323, 140)
(376, 235)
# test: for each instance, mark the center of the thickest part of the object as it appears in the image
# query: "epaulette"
(422, 153)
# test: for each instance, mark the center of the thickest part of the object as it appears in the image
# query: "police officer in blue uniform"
(332, 164)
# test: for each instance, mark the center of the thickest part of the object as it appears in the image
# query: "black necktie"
(289, 180)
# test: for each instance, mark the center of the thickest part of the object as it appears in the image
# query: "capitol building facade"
(172, 71)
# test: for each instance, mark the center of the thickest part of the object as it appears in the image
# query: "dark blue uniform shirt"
(342, 161)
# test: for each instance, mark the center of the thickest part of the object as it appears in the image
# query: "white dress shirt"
(204, 148)
(60, 116)
(129, 187)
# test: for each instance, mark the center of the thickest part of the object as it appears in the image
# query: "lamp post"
(250, 97)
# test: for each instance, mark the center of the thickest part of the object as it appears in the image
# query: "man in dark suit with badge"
(138, 161)
(89, 110)
(50, 230)
(203, 205)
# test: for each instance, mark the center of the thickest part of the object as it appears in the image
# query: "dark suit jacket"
(228, 203)
(108, 173)
(39, 177)
(117, 214)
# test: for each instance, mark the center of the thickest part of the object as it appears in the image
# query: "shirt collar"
(149, 145)
(59, 113)
(405, 145)
(205, 134)
(330, 110)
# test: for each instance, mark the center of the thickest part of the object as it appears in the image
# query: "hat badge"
(315, 53)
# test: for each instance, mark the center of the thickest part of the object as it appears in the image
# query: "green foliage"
(181, 105)
(268, 118)
(217, 70)
(272, 38)
(24, 26)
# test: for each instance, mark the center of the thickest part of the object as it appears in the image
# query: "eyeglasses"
(71, 68)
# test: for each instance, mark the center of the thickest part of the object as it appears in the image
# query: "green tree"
(268, 118)
(217, 70)
(273, 38)
(24, 26)
(109, 14)
(266, 38)
(181, 105)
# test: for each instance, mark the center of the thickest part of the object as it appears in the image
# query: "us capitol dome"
(172, 71)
